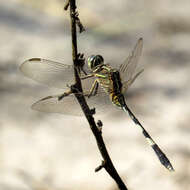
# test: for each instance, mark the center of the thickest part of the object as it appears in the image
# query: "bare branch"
(107, 163)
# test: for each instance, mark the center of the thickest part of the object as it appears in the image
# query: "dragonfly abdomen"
(116, 80)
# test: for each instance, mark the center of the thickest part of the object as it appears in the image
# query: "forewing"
(127, 69)
(48, 72)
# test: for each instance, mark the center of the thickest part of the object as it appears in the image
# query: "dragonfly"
(103, 85)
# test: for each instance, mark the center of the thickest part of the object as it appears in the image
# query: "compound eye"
(91, 61)
(99, 59)
(94, 61)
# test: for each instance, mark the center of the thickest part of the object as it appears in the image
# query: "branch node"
(92, 111)
(81, 63)
(100, 166)
(74, 89)
(99, 125)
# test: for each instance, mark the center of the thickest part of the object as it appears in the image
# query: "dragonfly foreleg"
(161, 156)
(87, 76)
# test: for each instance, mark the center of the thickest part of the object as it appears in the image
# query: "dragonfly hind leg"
(94, 89)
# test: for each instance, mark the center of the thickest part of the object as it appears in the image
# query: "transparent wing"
(52, 73)
(126, 84)
(127, 69)
(70, 106)
(48, 72)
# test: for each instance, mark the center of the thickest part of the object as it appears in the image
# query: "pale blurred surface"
(51, 151)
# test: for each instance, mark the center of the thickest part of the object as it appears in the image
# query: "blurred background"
(55, 152)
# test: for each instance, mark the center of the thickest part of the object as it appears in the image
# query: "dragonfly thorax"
(94, 61)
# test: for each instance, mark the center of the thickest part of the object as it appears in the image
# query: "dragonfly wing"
(70, 106)
(48, 72)
(128, 83)
(127, 69)
(101, 102)
(87, 83)
(67, 105)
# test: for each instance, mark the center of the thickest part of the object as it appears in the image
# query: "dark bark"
(96, 129)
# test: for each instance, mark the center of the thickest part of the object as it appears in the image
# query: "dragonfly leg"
(87, 76)
(94, 89)
(161, 156)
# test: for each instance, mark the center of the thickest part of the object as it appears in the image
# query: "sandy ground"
(53, 151)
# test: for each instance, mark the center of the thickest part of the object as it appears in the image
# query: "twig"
(66, 5)
(79, 24)
(106, 163)
(76, 14)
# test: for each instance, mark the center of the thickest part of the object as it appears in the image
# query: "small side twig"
(96, 130)
(79, 24)
(100, 166)
(76, 14)
(66, 5)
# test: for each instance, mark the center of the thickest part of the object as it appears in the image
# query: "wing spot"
(34, 59)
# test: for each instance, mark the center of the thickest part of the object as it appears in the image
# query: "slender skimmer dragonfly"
(102, 84)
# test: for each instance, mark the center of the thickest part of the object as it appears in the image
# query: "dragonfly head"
(94, 61)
